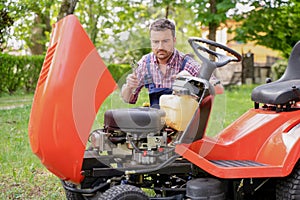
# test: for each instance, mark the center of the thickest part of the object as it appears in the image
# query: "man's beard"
(165, 54)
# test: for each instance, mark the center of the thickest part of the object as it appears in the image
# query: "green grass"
(22, 176)
(238, 101)
(227, 107)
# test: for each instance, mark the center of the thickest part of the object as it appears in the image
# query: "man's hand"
(132, 81)
(129, 87)
(182, 73)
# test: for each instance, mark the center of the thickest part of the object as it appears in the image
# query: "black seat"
(284, 90)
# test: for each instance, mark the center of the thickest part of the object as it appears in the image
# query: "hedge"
(19, 72)
(119, 71)
(22, 72)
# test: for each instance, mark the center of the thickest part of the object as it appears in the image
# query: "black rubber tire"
(123, 192)
(205, 188)
(72, 195)
(289, 188)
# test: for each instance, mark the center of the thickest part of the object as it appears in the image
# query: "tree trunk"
(38, 36)
(167, 11)
(212, 26)
(6, 21)
(212, 31)
(67, 7)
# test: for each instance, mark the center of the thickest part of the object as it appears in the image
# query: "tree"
(211, 13)
(116, 28)
(33, 23)
(6, 21)
(274, 24)
(33, 20)
(67, 7)
(89, 13)
(39, 29)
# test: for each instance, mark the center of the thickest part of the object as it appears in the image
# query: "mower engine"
(134, 136)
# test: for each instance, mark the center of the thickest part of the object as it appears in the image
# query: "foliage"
(118, 70)
(273, 24)
(19, 72)
(119, 28)
(5, 22)
(278, 69)
(206, 16)
(33, 21)
(211, 13)
(114, 26)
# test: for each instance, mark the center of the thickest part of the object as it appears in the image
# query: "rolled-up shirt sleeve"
(192, 66)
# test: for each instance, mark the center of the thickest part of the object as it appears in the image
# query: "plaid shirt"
(161, 80)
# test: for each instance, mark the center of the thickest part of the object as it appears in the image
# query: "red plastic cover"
(72, 85)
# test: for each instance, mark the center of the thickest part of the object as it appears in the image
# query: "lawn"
(22, 176)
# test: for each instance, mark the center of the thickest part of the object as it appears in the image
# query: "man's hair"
(163, 24)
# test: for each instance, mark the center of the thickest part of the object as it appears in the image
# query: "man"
(158, 69)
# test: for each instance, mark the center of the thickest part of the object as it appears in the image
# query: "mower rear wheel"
(123, 192)
(289, 187)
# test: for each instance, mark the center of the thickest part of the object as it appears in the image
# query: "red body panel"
(265, 137)
(73, 83)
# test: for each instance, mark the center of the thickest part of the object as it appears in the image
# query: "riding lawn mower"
(162, 154)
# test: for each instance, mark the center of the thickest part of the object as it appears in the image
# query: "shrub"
(119, 70)
(19, 72)
(278, 69)
(22, 72)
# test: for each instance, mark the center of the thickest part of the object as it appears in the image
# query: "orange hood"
(73, 83)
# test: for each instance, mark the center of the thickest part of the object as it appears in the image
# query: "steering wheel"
(209, 66)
